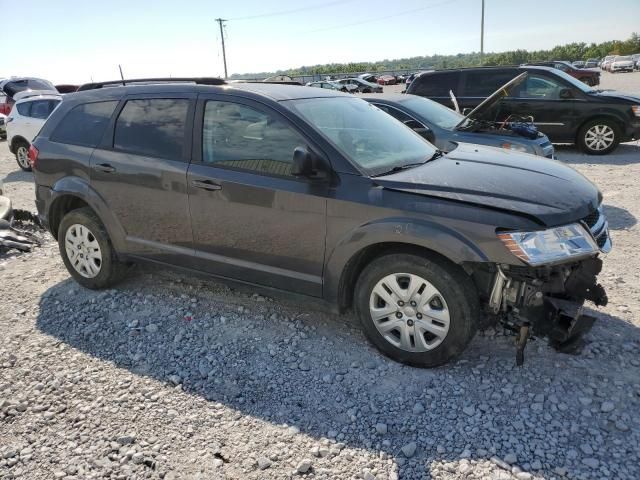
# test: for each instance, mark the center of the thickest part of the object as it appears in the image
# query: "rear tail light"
(33, 156)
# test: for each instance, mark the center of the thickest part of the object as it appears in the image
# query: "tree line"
(570, 52)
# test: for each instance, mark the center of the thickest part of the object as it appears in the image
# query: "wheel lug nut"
(399, 315)
(410, 323)
(401, 303)
(413, 304)
(418, 316)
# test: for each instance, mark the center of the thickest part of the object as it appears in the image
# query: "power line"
(377, 19)
(295, 10)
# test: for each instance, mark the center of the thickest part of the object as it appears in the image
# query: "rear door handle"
(104, 167)
(206, 185)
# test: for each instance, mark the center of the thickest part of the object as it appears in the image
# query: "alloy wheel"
(22, 155)
(409, 312)
(599, 137)
(83, 250)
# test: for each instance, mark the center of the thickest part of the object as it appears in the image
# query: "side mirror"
(307, 163)
(420, 129)
(565, 94)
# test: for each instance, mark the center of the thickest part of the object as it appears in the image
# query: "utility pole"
(224, 53)
(482, 35)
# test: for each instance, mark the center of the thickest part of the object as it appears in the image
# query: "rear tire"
(425, 310)
(598, 137)
(22, 155)
(87, 251)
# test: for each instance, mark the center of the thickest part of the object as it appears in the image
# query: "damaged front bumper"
(545, 301)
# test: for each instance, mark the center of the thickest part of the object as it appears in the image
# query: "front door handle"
(206, 185)
(104, 167)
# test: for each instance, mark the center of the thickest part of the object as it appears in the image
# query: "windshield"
(363, 133)
(622, 59)
(574, 81)
(432, 112)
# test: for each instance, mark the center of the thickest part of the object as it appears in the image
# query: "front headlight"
(548, 246)
(515, 147)
(636, 110)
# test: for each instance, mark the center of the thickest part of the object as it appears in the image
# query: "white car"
(3, 126)
(622, 64)
(25, 121)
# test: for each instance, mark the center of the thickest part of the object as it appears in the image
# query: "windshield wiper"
(399, 168)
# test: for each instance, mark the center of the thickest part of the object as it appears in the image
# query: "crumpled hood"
(544, 189)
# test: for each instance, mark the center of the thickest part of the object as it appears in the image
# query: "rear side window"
(153, 127)
(42, 108)
(435, 85)
(24, 109)
(484, 83)
(84, 124)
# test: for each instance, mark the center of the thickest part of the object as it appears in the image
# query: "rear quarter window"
(84, 124)
(24, 109)
(435, 84)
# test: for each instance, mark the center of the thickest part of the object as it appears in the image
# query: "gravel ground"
(175, 376)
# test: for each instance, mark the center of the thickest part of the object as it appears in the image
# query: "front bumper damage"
(544, 301)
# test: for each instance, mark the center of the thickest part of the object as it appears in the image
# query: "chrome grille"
(599, 228)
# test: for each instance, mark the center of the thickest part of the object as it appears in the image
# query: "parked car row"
(559, 105)
(589, 76)
(328, 196)
(620, 63)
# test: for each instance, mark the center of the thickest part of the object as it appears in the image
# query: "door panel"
(253, 221)
(147, 190)
(267, 232)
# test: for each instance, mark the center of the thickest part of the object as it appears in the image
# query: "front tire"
(87, 251)
(22, 155)
(598, 137)
(416, 311)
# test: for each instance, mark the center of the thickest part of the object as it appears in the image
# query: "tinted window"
(42, 108)
(435, 85)
(238, 136)
(24, 109)
(484, 83)
(153, 127)
(394, 112)
(536, 86)
(84, 124)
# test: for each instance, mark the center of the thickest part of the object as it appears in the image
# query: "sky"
(77, 41)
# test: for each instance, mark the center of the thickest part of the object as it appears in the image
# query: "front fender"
(410, 231)
(80, 188)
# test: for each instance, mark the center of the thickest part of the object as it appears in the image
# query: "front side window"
(363, 133)
(239, 136)
(432, 111)
(540, 87)
(153, 127)
(84, 124)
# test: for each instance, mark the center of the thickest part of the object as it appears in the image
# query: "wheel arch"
(349, 257)
(610, 116)
(71, 193)
(15, 140)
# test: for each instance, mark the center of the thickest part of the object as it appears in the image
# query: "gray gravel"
(174, 376)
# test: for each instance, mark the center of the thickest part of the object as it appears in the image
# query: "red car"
(586, 75)
(387, 80)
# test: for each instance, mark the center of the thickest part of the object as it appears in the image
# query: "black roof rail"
(146, 81)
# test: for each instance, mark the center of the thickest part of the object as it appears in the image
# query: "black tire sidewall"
(459, 294)
(19, 144)
(591, 123)
(109, 267)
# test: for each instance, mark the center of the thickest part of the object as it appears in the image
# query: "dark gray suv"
(322, 194)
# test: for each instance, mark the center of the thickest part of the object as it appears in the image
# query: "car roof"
(274, 91)
(44, 96)
(390, 97)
